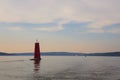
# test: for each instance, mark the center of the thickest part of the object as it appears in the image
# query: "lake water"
(59, 68)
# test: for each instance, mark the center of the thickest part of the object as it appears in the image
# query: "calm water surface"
(59, 68)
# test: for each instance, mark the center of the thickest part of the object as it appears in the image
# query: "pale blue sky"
(60, 25)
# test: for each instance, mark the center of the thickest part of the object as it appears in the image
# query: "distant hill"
(3, 53)
(62, 54)
(104, 54)
(51, 54)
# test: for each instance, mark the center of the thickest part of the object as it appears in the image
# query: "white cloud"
(100, 12)
(114, 31)
(96, 31)
(47, 29)
(53, 28)
(16, 28)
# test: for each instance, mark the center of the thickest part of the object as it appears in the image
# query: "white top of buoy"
(36, 40)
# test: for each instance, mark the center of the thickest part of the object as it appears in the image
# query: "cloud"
(100, 13)
(53, 28)
(16, 28)
(114, 31)
(96, 31)
(47, 29)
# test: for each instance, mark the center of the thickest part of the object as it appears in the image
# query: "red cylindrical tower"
(37, 55)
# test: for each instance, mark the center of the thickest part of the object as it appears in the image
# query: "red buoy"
(37, 55)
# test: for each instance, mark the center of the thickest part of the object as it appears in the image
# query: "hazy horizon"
(60, 52)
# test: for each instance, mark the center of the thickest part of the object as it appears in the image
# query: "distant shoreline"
(62, 54)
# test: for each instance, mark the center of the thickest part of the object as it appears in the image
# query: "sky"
(60, 25)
